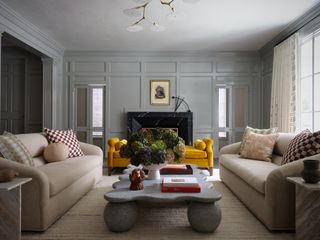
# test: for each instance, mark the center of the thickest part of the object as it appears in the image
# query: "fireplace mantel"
(183, 121)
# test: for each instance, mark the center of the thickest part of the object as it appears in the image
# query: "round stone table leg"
(120, 217)
(204, 217)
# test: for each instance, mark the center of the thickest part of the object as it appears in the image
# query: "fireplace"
(182, 122)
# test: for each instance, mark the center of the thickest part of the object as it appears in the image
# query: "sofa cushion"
(282, 143)
(116, 154)
(253, 172)
(276, 159)
(34, 142)
(191, 152)
(39, 161)
(63, 174)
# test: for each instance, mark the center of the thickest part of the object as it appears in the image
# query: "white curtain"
(283, 93)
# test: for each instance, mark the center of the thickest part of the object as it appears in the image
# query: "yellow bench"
(202, 158)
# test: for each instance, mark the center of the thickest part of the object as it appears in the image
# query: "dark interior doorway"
(21, 87)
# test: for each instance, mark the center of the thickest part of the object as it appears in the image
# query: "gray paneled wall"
(127, 79)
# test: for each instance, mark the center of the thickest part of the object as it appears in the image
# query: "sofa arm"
(89, 149)
(277, 185)
(39, 183)
(233, 148)
(209, 143)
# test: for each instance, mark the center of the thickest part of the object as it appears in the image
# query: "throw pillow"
(67, 137)
(119, 144)
(56, 152)
(255, 130)
(200, 144)
(13, 149)
(259, 146)
(305, 144)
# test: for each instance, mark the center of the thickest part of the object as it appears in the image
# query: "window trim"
(305, 36)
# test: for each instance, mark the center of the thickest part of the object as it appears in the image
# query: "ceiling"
(215, 25)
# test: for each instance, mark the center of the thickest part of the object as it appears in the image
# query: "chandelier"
(141, 10)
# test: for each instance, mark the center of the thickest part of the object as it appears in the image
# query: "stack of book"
(176, 169)
(180, 184)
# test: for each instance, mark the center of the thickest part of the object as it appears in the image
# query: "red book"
(181, 189)
(175, 169)
(180, 184)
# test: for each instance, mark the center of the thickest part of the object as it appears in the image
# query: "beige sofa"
(262, 186)
(55, 187)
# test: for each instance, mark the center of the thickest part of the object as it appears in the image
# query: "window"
(308, 113)
(222, 110)
(97, 110)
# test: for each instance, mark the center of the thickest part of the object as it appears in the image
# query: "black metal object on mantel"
(181, 121)
(178, 101)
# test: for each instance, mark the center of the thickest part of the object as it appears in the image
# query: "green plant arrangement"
(153, 146)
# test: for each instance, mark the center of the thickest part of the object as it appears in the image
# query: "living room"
(231, 85)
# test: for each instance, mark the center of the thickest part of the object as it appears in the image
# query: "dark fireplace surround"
(179, 120)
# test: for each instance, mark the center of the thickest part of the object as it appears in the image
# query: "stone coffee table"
(121, 211)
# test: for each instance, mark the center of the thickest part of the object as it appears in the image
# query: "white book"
(180, 182)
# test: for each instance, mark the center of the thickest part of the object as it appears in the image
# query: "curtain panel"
(283, 92)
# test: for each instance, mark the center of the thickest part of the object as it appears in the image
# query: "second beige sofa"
(55, 187)
(262, 186)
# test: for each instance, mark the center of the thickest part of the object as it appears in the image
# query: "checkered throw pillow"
(67, 137)
(13, 149)
(305, 144)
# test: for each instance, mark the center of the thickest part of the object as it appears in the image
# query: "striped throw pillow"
(255, 130)
(13, 149)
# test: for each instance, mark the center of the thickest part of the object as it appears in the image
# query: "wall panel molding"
(192, 75)
(17, 26)
(37, 41)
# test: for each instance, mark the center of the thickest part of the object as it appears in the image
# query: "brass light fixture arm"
(144, 6)
(168, 4)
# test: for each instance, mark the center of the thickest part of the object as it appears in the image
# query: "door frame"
(230, 128)
(73, 107)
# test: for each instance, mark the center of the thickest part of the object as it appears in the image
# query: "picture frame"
(160, 92)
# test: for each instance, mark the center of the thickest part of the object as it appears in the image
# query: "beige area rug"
(85, 221)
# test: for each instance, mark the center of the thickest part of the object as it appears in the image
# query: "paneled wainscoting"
(193, 76)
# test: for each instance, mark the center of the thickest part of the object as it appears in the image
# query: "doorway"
(89, 114)
(21, 88)
(233, 112)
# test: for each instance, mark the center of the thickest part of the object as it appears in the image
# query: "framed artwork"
(160, 92)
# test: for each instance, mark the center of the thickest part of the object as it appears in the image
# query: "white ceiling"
(217, 25)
